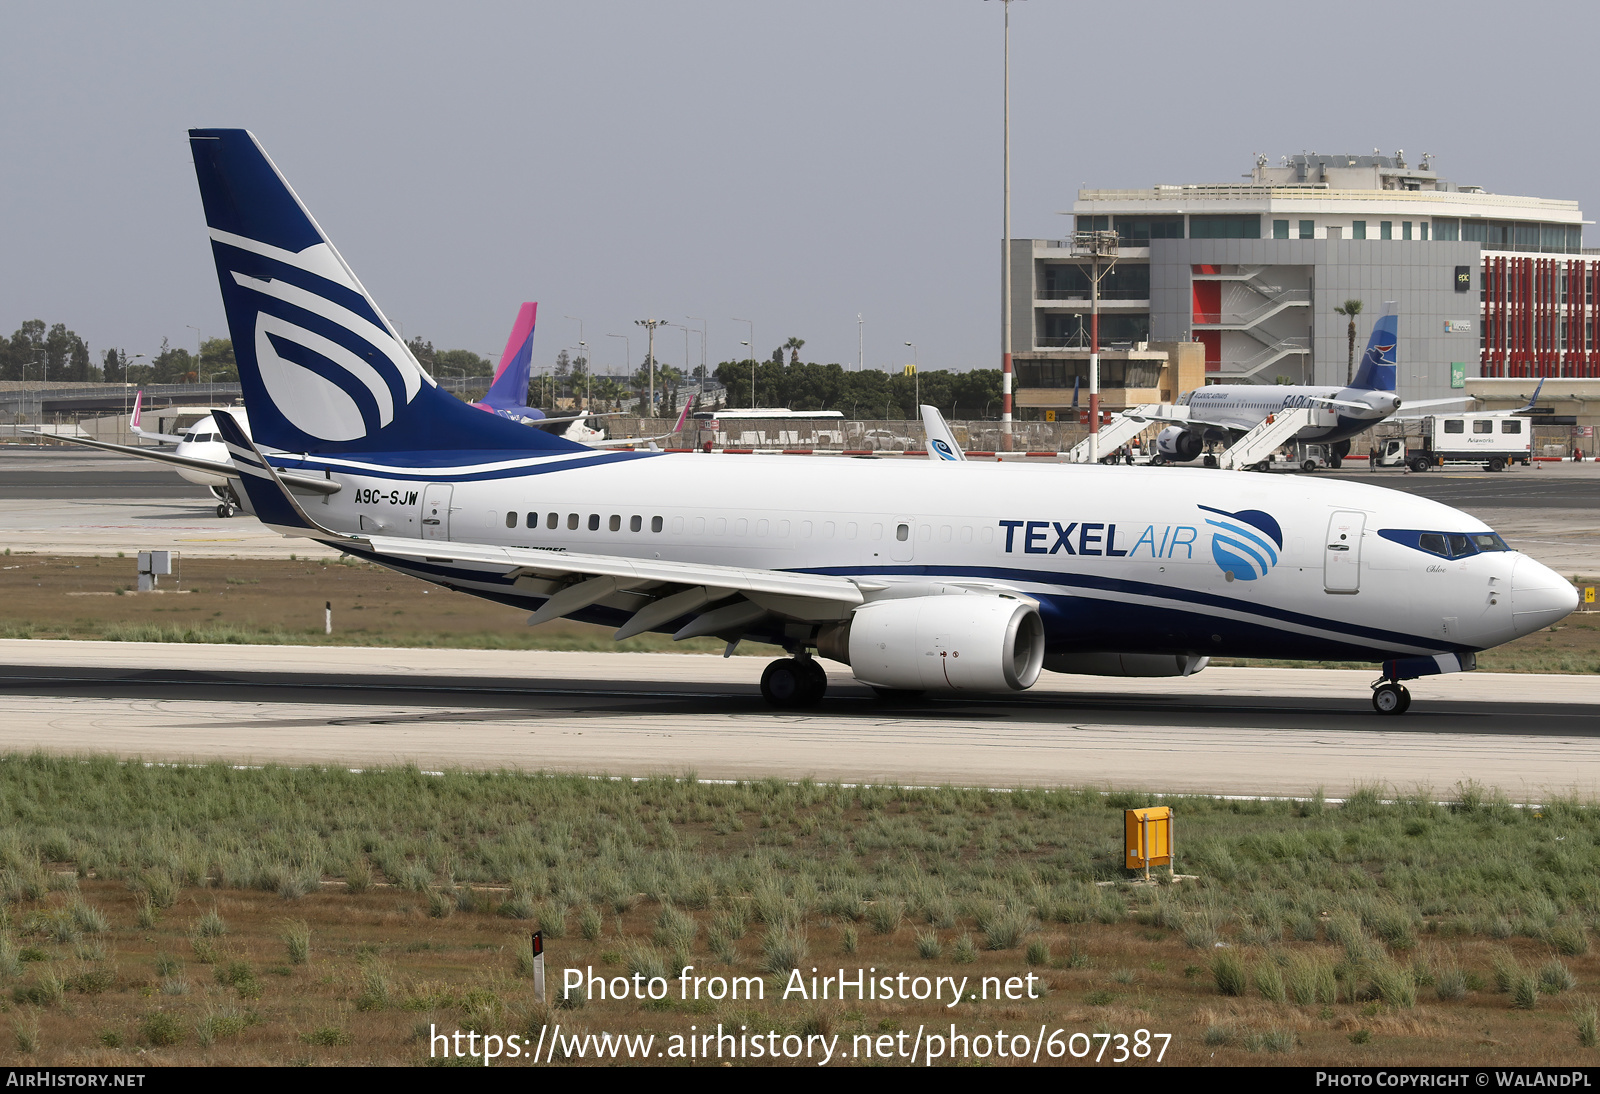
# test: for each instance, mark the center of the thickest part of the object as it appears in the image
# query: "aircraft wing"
(1413, 405)
(1178, 414)
(1329, 401)
(211, 467)
(721, 599)
(620, 442)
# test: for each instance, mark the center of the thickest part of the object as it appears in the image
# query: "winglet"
(271, 500)
(683, 417)
(1534, 401)
(941, 441)
(138, 397)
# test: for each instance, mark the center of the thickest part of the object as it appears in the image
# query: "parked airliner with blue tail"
(1222, 413)
(963, 578)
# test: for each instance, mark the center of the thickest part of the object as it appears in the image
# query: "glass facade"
(1225, 227)
(1139, 231)
(1448, 231)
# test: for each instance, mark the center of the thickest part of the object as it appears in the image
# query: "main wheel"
(1390, 698)
(1335, 462)
(784, 684)
(224, 510)
(816, 680)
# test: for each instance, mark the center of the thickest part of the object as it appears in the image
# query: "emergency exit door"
(1341, 554)
(436, 511)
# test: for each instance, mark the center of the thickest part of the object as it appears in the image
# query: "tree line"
(869, 393)
(39, 351)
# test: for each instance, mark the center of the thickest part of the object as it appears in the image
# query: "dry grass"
(143, 910)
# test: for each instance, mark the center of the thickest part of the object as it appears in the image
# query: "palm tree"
(1351, 308)
(793, 346)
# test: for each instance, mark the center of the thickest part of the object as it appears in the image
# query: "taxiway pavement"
(1234, 731)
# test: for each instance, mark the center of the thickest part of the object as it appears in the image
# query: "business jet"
(1222, 413)
(958, 579)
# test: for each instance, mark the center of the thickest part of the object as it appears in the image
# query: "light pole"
(1096, 245)
(703, 328)
(688, 369)
(582, 345)
(752, 345)
(627, 347)
(199, 353)
(859, 342)
(1005, 257)
(916, 375)
(651, 325)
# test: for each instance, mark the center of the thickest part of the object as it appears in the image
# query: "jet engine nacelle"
(1127, 664)
(1178, 444)
(958, 642)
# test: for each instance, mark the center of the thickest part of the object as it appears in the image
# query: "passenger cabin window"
(1455, 425)
(572, 522)
(902, 532)
(511, 520)
(1483, 427)
(616, 523)
(594, 522)
(635, 523)
(552, 520)
(533, 520)
(655, 524)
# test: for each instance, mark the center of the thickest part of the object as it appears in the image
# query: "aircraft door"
(1341, 557)
(436, 511)
(902, 538)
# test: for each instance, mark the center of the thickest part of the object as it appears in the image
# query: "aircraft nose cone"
(1539, 596)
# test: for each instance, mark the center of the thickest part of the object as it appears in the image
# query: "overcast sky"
(792, 164)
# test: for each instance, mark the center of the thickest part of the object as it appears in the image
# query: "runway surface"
(69, 501)
(1234, 731)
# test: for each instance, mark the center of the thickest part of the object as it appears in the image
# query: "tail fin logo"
(1245, 545)
(336, 383)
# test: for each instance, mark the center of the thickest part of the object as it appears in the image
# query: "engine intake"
(956, 642)
(1178, 443)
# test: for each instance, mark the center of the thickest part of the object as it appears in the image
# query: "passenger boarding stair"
(1126, 426)
(1260, 443)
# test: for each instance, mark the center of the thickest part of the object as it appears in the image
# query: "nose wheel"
(1390, 698)
(794, 683)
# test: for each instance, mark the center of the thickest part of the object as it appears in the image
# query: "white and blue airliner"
(965, 577)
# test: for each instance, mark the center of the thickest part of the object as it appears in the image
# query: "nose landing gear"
(1389, 697)
(794, 683)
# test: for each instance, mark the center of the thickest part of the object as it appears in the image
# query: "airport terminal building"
(1487, 285)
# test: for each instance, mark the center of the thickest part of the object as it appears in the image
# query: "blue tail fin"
(1376, 372)
(322, 369)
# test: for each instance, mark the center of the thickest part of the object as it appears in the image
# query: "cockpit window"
(1445, 544)
(189, 437)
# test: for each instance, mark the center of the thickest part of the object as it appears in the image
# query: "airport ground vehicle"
(1492, 441)
(919, 575)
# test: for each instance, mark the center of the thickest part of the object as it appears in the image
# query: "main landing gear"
(225, 509)
(794, 683)
(1390, 697)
